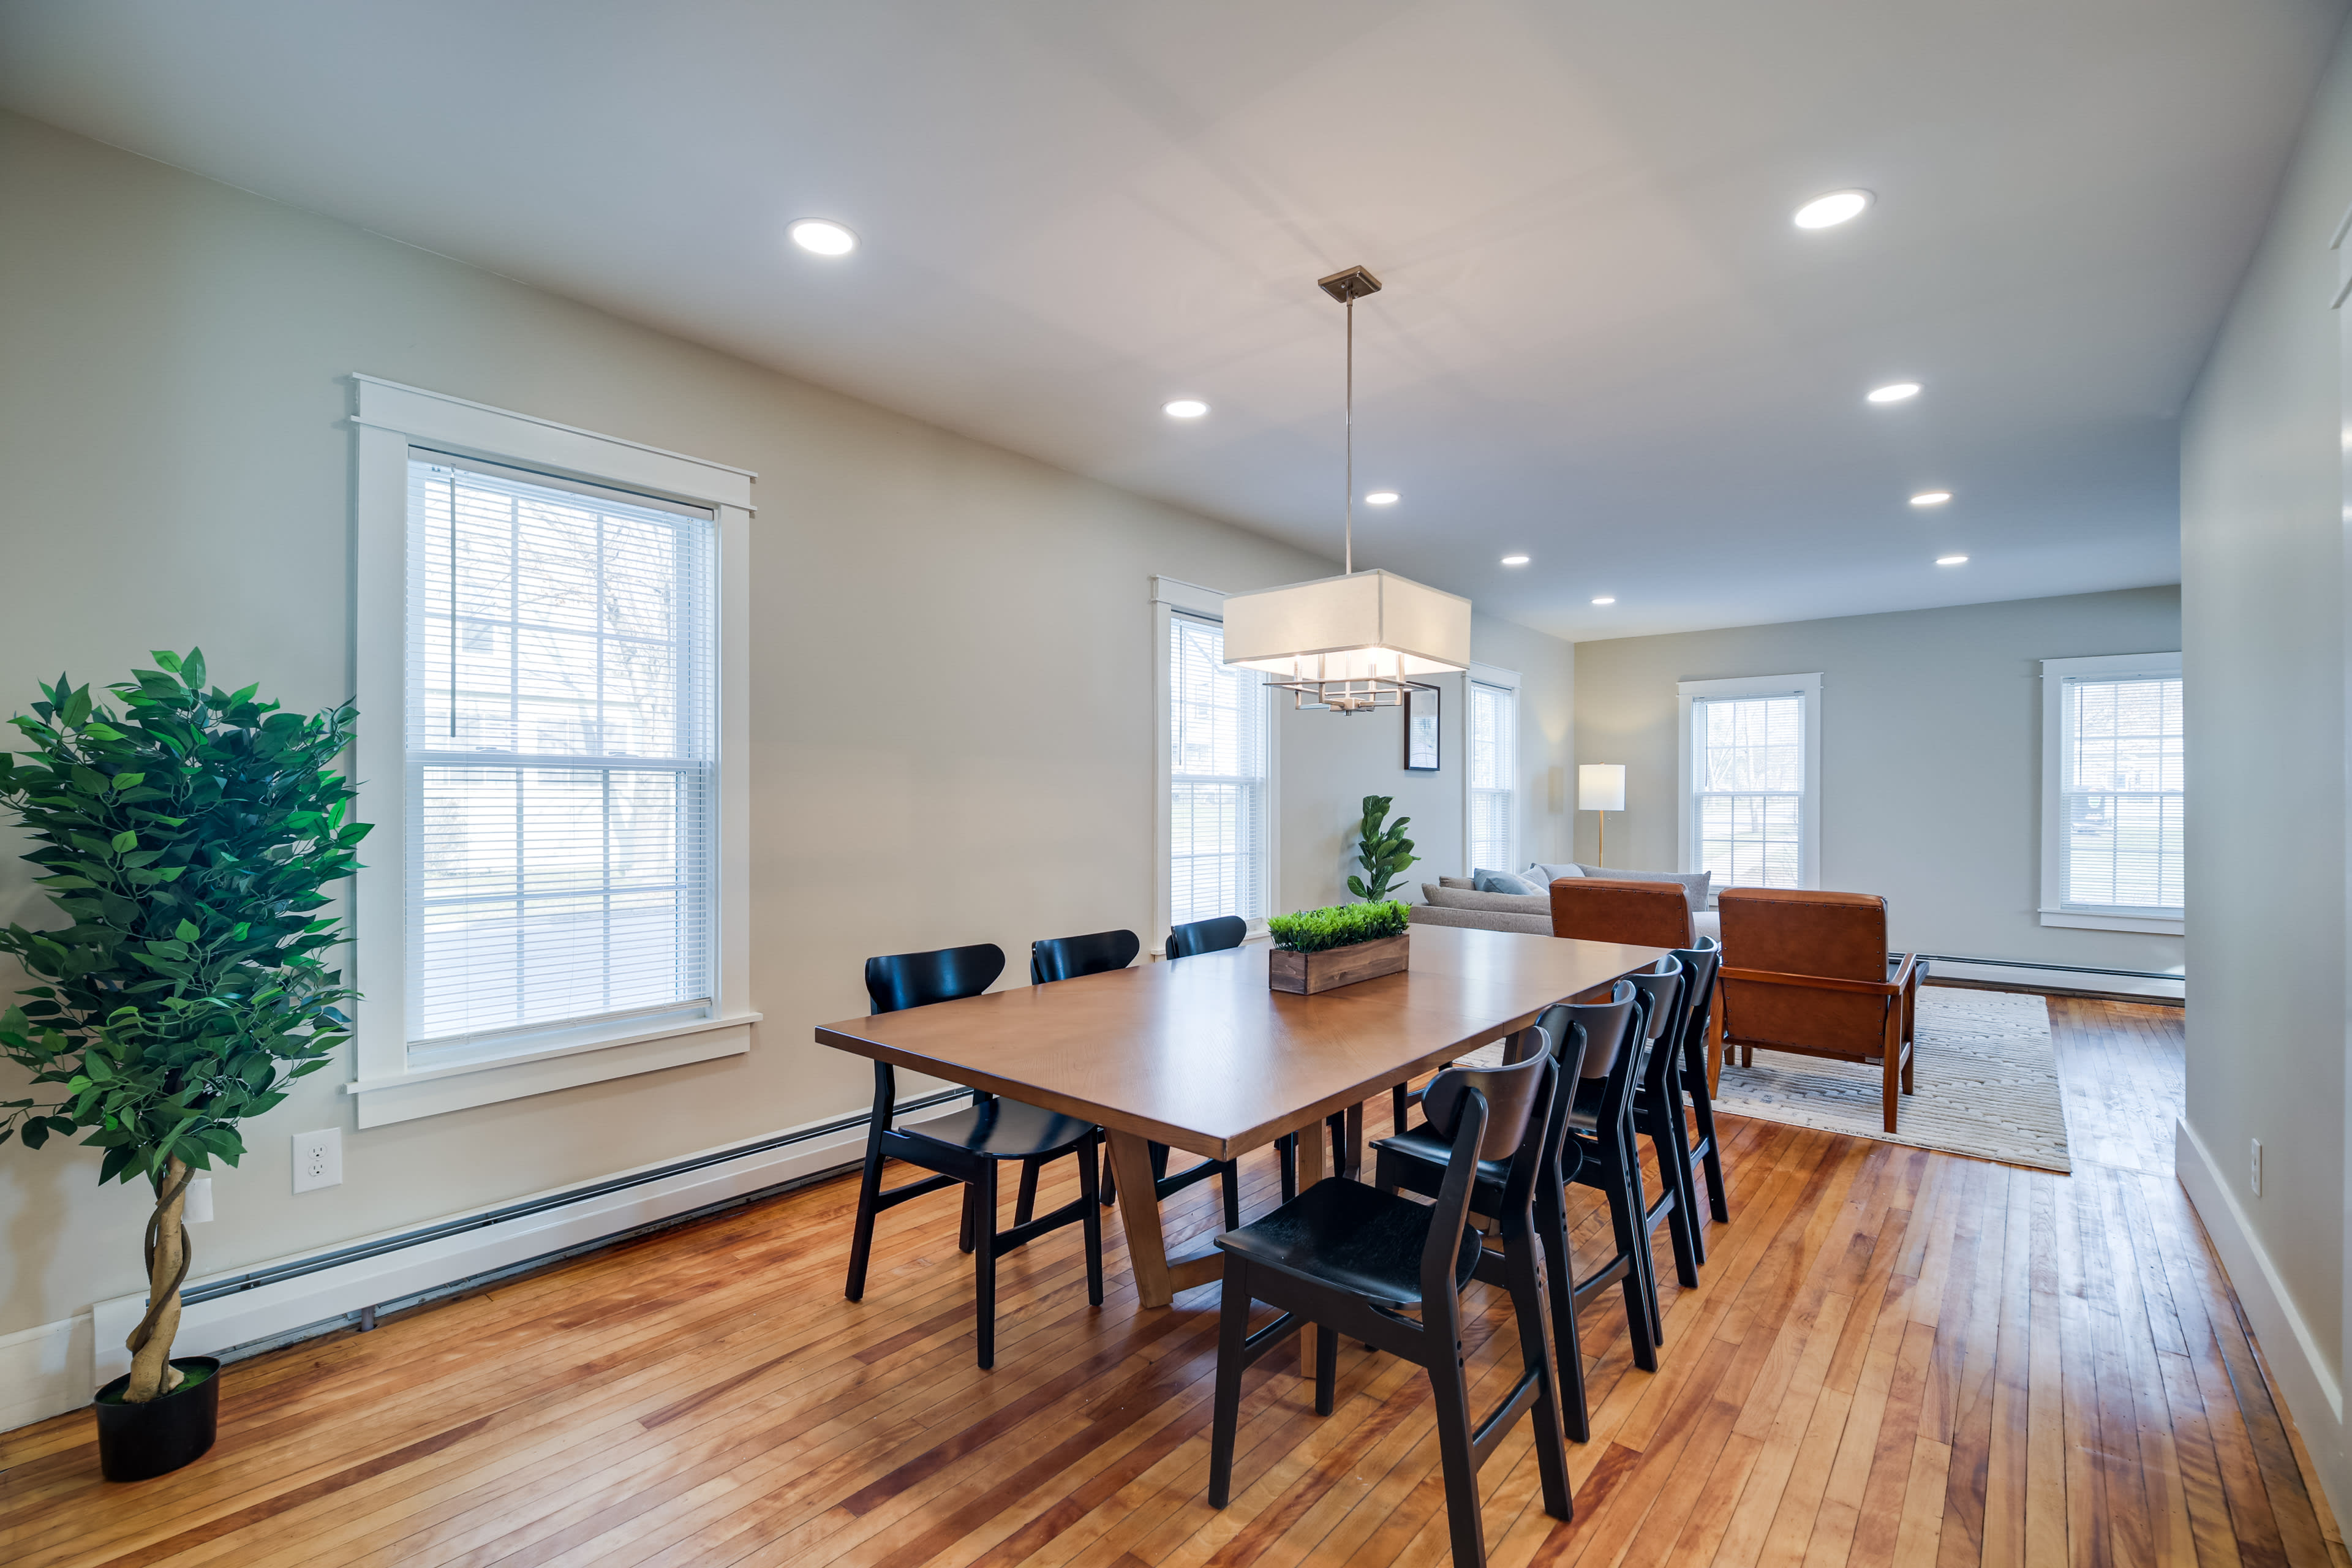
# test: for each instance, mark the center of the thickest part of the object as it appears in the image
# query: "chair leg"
(1450, 1384)
(1326, 1371)
(1026, 1205)
(1528, 1306)
(1090, 1214)
(1229, 1181)
(1624, 1206)
(1891, 1067)
(1232, 1331)
(1910, 1055)
(971, 1218)
(1559, 1271)
(1638, 1205)
(1674, 1172)
(1398, 1106)
(984, 1259)
(1711, 1163)
(869, 1194)
(1109, 1179)
(1286, 1148)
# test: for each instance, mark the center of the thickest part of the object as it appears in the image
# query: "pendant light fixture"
(1355, 642)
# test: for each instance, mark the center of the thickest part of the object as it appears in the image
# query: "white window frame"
(1169, 596)
(2054, 675)
(390, 419)
(1809, 805)
(1508, 680)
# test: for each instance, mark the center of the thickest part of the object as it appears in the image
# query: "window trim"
(390, 419)
(1809, 805)
(2051, 909)
(1508, 679)
(1169, 595)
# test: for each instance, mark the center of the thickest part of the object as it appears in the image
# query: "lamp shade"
(1601, 786)
(1364, 625)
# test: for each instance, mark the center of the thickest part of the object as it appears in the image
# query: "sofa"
(1455, 902)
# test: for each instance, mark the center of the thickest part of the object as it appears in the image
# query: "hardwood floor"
(1893, 1357)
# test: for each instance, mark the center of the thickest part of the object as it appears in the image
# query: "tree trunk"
(152, 1376)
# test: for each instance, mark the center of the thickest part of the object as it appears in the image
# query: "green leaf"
(126, 839)
(186, 931)
(165, 660)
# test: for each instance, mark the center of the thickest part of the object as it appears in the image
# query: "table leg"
(1158, 1276)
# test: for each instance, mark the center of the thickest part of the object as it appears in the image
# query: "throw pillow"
(1487, 882)
(1694, 883)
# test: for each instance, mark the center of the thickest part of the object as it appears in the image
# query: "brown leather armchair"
(1639, 914)
(1808, 971)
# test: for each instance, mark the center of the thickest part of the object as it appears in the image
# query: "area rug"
(1984, 1071)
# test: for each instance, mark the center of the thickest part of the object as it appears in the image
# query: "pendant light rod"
(1348, 287)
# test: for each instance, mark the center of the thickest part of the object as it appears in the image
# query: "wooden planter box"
(1305, 974)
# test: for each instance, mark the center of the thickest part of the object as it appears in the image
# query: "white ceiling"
(1601, 342)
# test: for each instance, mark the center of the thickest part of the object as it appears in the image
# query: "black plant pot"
(138, 1442)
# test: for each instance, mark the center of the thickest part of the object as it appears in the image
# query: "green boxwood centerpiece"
(1341, 926)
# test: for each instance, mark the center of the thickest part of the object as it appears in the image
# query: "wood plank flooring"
(1893, 1357)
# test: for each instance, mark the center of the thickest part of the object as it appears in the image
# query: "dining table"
(1202, 1055)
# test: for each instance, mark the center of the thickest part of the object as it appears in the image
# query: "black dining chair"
(1066, 958)
(967, 1146)
(1599, 1153)
(1699, 966)
(1196, 937)
(1658, 1113)
(1371, 1266)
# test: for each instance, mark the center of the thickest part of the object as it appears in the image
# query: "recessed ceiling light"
(1931, 498)
(1828, 211)
(1605, 599)
(1381, 498)
(821, 236)
(1894, 392)
(1951, 560)
(1184, 408)
(1515, 560)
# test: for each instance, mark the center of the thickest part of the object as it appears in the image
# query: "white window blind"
(1217, 804)
(562, 751)
(1494, 776)
(2122, 795)
(1748, 789)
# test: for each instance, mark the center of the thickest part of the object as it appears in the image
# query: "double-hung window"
(1219, 840)
(1491, 811)
(2115, 802)
(561, 852)
(552, 749)
(1750, 763)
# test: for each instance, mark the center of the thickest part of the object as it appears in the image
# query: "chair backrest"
(1700, 962)
(903, 980)
(1639, 914)
(1067, 957)
(1601, 1031)
(1660, 985)
(1803, 930)
(1207, 936)
(1486, 1113)
(1618, 1069)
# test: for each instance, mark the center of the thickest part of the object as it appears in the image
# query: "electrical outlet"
(318, 1159)
(2258, 1168)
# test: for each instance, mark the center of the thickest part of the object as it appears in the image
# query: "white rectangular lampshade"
(1601, 786)
(1363, 626)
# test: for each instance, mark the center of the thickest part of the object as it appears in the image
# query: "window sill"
(404, 1097)
(2078, 920)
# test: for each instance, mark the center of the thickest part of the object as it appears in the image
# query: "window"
(2115, 804)
(560, 851)
(551, 644)
(1218, 799)
(1750, 758)
(1491, 812)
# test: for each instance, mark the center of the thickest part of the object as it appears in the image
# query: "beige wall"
(2262, 612)
(951, 658)
(1931, 741)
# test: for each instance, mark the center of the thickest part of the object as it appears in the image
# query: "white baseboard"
(53, 1368)
(2170, 990)
(2313, 1395)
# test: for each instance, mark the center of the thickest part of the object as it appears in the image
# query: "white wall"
(1931, 741)
(951, 658)
(2263, 611)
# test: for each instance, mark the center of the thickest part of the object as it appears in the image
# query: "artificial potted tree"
(188, 839)
(1382, 849)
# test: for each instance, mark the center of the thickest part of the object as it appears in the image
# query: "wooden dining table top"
(1202, 1055)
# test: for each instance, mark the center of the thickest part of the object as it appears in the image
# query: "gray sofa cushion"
(1695, 883)
(1445, 897)
(1484, 920)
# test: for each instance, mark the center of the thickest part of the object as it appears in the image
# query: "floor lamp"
(1601, 786)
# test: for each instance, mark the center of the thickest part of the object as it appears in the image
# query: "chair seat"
(1422, 1144)
(1349, 1236)
(1003, 1129)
